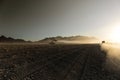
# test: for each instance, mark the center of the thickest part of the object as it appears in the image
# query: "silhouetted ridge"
(70, 38)
(9, 39)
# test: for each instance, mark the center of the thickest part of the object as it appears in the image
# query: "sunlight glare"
(115, 35)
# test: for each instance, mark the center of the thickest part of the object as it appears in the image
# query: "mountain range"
(52, 39)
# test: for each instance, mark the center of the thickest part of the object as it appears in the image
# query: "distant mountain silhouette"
(9, 39)
(70, 38)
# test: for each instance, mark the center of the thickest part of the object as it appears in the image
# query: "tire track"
(78, 69)
(94, 65)
(51, 60)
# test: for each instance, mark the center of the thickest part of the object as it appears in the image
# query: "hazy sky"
(36, 19)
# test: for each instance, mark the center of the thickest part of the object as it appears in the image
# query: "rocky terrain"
(54, 62)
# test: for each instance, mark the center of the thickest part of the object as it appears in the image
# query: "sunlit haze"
(37, 19)
(112, 56)
(114, 37)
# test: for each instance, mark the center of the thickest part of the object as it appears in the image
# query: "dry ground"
(54, 62)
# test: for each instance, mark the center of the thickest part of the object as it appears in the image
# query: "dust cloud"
(78, 42)
(112, 56)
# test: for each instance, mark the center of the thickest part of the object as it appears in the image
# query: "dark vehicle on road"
(103, 41)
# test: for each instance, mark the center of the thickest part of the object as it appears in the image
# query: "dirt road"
(58, 62)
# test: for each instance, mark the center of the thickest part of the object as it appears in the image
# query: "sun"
(115, 35)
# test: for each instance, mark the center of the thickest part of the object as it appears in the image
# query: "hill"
(10, 39)
(76, 39)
